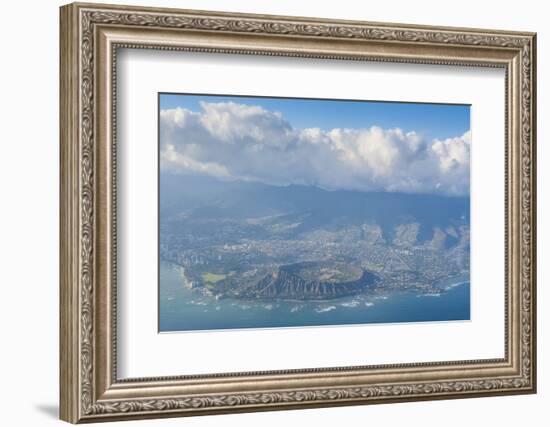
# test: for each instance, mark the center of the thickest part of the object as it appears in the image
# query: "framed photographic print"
(266, 212)
(272, 216)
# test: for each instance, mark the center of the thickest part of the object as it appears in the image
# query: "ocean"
(184, 309)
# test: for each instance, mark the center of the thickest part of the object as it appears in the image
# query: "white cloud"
(235, 141)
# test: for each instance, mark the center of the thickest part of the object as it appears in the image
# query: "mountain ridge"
(204, 198)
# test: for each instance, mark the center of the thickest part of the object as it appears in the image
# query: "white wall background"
(29, 170)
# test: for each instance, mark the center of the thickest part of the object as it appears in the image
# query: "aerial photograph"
(298, 212)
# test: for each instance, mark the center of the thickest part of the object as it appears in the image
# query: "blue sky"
(432, 121)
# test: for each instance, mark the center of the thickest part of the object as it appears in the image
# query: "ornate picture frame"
(90, 37)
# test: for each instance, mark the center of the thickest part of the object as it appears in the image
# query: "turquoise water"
(183, 309)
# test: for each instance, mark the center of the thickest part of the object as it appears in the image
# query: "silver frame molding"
(90, 37)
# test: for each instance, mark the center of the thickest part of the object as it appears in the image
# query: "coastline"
(184, 309)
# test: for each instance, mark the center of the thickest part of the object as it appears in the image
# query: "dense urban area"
(253, 241)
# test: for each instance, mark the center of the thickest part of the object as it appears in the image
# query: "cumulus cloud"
(235, 141)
